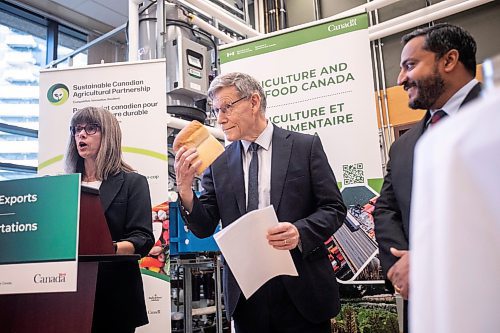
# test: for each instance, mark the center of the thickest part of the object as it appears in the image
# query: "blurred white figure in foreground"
(455, 264)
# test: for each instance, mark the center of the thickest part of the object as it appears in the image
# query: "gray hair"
(109, 158)
(245, 84)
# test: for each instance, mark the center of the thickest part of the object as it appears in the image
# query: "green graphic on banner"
(294, 38)
(133, 150)
(39, 219)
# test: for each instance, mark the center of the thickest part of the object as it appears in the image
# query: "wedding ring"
(397, 289)
(286, 241)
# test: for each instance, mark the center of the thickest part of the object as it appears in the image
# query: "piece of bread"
(197, 136)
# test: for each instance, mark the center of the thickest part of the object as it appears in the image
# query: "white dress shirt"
(265, 153)
(453, 104)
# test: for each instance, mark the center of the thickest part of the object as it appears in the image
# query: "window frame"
(53, 28)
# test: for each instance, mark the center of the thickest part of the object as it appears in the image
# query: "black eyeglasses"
(89, 129)
(228, 108)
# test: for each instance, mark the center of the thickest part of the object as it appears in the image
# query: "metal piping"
(277, 14)
(368, 7)
(422, 16)
(245, 10)
(269, 12)
(133, 29)
(390, 131)
(265, 17)
(210, 28)
(215, 69)
(259, 16)
(224, 17)
(379, 97)
(160, 29)
(273, 16)
(317, 9)
(281, 15)
(218, 292)
(418, 13)
(355, 11)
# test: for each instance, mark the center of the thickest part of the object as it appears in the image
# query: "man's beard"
(428, 91)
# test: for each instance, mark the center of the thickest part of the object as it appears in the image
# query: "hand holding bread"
(195, 135)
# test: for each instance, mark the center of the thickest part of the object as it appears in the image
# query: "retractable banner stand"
(318, 79)
(39, 234)
(135, 92)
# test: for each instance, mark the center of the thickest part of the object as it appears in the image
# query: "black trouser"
(406, 328)
(270, 310)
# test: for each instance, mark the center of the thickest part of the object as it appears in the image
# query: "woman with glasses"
(94, 150)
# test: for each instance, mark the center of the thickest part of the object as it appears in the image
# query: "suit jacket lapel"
(405, 166)
(473, 94)
(420, 129)
(282, 149)
(235, 172)
(109, 189)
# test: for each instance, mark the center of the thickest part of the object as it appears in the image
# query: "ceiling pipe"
(370, 6)
(224, 17)
(209, 28)
(160, 29)
(398, 24)
(415, 14)
(133, 29)
(422, 16)
(375, 4)
(258, 12)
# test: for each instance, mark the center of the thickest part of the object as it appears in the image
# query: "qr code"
(353, 174)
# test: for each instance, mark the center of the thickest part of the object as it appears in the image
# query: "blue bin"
(182, 240)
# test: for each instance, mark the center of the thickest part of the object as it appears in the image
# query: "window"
(25, 41)
(69, 41)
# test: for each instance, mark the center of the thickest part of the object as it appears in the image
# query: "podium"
(98, 266)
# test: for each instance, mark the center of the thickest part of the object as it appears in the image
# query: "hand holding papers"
(251, 259)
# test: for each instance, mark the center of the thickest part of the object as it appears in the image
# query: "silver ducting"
(188, 59)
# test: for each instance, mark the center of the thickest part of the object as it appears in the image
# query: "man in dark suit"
(294, 176)
(438, 66)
